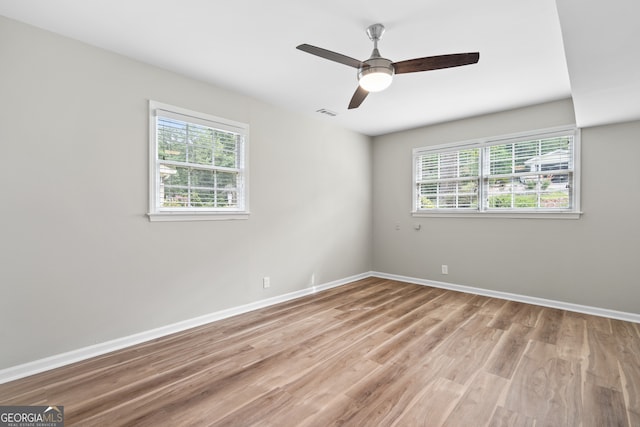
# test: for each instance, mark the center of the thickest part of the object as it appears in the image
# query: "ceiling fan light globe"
(375, 74)
(376, 81)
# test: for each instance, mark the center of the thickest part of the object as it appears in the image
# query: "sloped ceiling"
(602, 45)
(249, 46)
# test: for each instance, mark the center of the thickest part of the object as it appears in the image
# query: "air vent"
(327, 112)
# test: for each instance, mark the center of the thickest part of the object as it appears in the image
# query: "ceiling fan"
(375, 74)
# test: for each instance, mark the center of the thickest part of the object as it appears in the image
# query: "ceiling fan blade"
(332, 56)
(436, 62)
(358, 97)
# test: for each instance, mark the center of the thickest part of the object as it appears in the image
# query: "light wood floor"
(372, 353)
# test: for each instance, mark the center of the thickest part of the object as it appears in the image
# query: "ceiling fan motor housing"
(375, 74)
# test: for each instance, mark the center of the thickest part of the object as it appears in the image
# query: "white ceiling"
(249, 46)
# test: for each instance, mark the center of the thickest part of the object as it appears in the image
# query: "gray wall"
(80, 262)
(591, 261)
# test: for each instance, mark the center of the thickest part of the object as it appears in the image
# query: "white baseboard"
(596, 311)
(58, 360)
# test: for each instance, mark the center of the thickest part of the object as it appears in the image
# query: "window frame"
(157, 213)
(482, 210)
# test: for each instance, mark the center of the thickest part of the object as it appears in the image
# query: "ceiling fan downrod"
(375, 33)
(375, 74)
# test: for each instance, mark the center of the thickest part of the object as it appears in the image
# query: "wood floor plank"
(571, 340)
(455, 298)
(630, 371)
(331, 415)
(370, 390)
(372, 352)
(479, 300)
(401, 339)
(274, 404)
(505, 315)
(548, 327)
(598, 323)
(610, 407)
(432, 405)
(468, 348)
(546, 387)
(602, 368)
(527, 314)
(492, 307)
(385, 408)
(478, 403)
(628, 346)
(504, 418)
(509, 350)
(339, 372)
(414, 304)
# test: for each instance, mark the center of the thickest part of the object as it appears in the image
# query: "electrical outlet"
(445, 269)
(266, 282)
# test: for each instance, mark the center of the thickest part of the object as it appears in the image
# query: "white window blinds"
(533, 174)
(448, 180)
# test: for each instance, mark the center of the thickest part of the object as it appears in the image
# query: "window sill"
(197, 216)
(511, 214)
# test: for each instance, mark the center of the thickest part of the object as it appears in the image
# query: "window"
(197, 166)
(533, 173)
